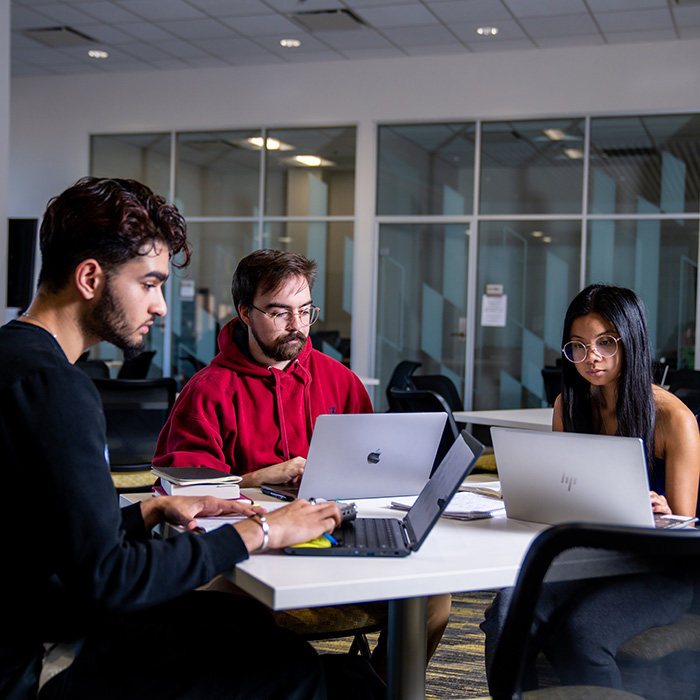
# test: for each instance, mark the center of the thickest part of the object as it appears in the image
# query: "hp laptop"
(391, 537)
(571, 477)
(367, 455)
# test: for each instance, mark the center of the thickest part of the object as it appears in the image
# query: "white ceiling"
(180, 34)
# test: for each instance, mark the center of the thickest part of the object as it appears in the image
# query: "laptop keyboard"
(370, 533)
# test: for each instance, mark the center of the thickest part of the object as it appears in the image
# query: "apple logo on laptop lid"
(373, 457)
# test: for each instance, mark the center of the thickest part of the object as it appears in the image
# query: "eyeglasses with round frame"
(283, 319)
(604, 346)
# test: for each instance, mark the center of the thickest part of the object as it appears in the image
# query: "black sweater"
(70, 555)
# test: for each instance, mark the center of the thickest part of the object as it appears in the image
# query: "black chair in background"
(96, 369)
(425, 401)
(686, 386)
(551, 376)
(649, 547)
(137, 367)
(135, 411)
(401, 379)
(442, 385)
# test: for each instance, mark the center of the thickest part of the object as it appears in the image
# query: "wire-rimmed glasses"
(603, 346)
(283, 319)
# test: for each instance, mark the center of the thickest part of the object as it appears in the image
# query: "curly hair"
(108, 219)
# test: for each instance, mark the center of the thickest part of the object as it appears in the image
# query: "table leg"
(407, 649)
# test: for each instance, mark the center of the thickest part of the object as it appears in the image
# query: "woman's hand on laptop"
(659, 504)
(298, 522)
(289, 471)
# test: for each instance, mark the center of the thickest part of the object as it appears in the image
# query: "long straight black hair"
(636, 408)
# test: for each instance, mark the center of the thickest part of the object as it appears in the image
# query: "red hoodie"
(238, 416)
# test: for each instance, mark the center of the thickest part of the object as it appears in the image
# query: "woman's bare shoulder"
(670, 410)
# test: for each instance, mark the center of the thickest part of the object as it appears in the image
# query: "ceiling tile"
(418, 35)
(263, 25)
(612, 5)
(353, 39)
(469, 11)
(145, 31)
(162, 10)
(397, 16)
(198, 29)
(544, 8)
(559, 26)
(634, 21)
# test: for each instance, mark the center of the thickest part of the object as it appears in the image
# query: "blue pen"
(330, 538)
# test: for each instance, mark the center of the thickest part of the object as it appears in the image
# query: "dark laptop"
(391, 537)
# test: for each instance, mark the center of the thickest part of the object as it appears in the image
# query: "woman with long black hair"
(607, 389)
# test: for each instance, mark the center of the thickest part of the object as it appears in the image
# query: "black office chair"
(442, 385)
(137, 367)
(94, 368)
(135, 411)
(424, 401)
(401, 379)
(551, 376)
(686, 386)
(649, 548)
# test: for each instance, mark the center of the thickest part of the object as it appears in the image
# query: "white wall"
(52, 118)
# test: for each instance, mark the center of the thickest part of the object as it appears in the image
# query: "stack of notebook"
(196, 481)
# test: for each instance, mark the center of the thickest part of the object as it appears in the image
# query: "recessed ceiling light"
(554, 134)
(547, 239)
(573, 153)
(312, 161)
(537, 234)
(487, 31)
(290, 43)
(97, 53)
(272, 144)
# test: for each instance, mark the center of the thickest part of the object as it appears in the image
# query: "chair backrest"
(684, 379)
(651, 549)
(135, 411)
(442, 385)
(94, 368)
(137, 367)
(401, 379)
(425, 401)
(551, 376)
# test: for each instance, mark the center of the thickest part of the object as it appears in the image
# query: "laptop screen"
(441, 487)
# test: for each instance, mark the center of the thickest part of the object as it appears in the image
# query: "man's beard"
(107, 321)
(281, 350)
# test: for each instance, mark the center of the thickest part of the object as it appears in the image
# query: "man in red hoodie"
(251, 412)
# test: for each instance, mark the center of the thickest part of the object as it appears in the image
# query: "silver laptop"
(367, 455)
(391, 537)
(570, 477)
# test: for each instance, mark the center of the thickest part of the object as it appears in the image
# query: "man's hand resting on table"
(291, 470)
(183, 510)
(298, 522)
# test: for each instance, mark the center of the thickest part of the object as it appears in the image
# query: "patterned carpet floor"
(457, 667)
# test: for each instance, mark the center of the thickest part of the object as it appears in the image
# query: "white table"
(525, 418)
(457, 556)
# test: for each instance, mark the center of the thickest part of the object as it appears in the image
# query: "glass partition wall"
(548, 206)
(485, 230)
(241, 190)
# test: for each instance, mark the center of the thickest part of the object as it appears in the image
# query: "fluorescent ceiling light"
(290, 43)
(312, 161)
(573, 153)
(554, 134)
(271, 145)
